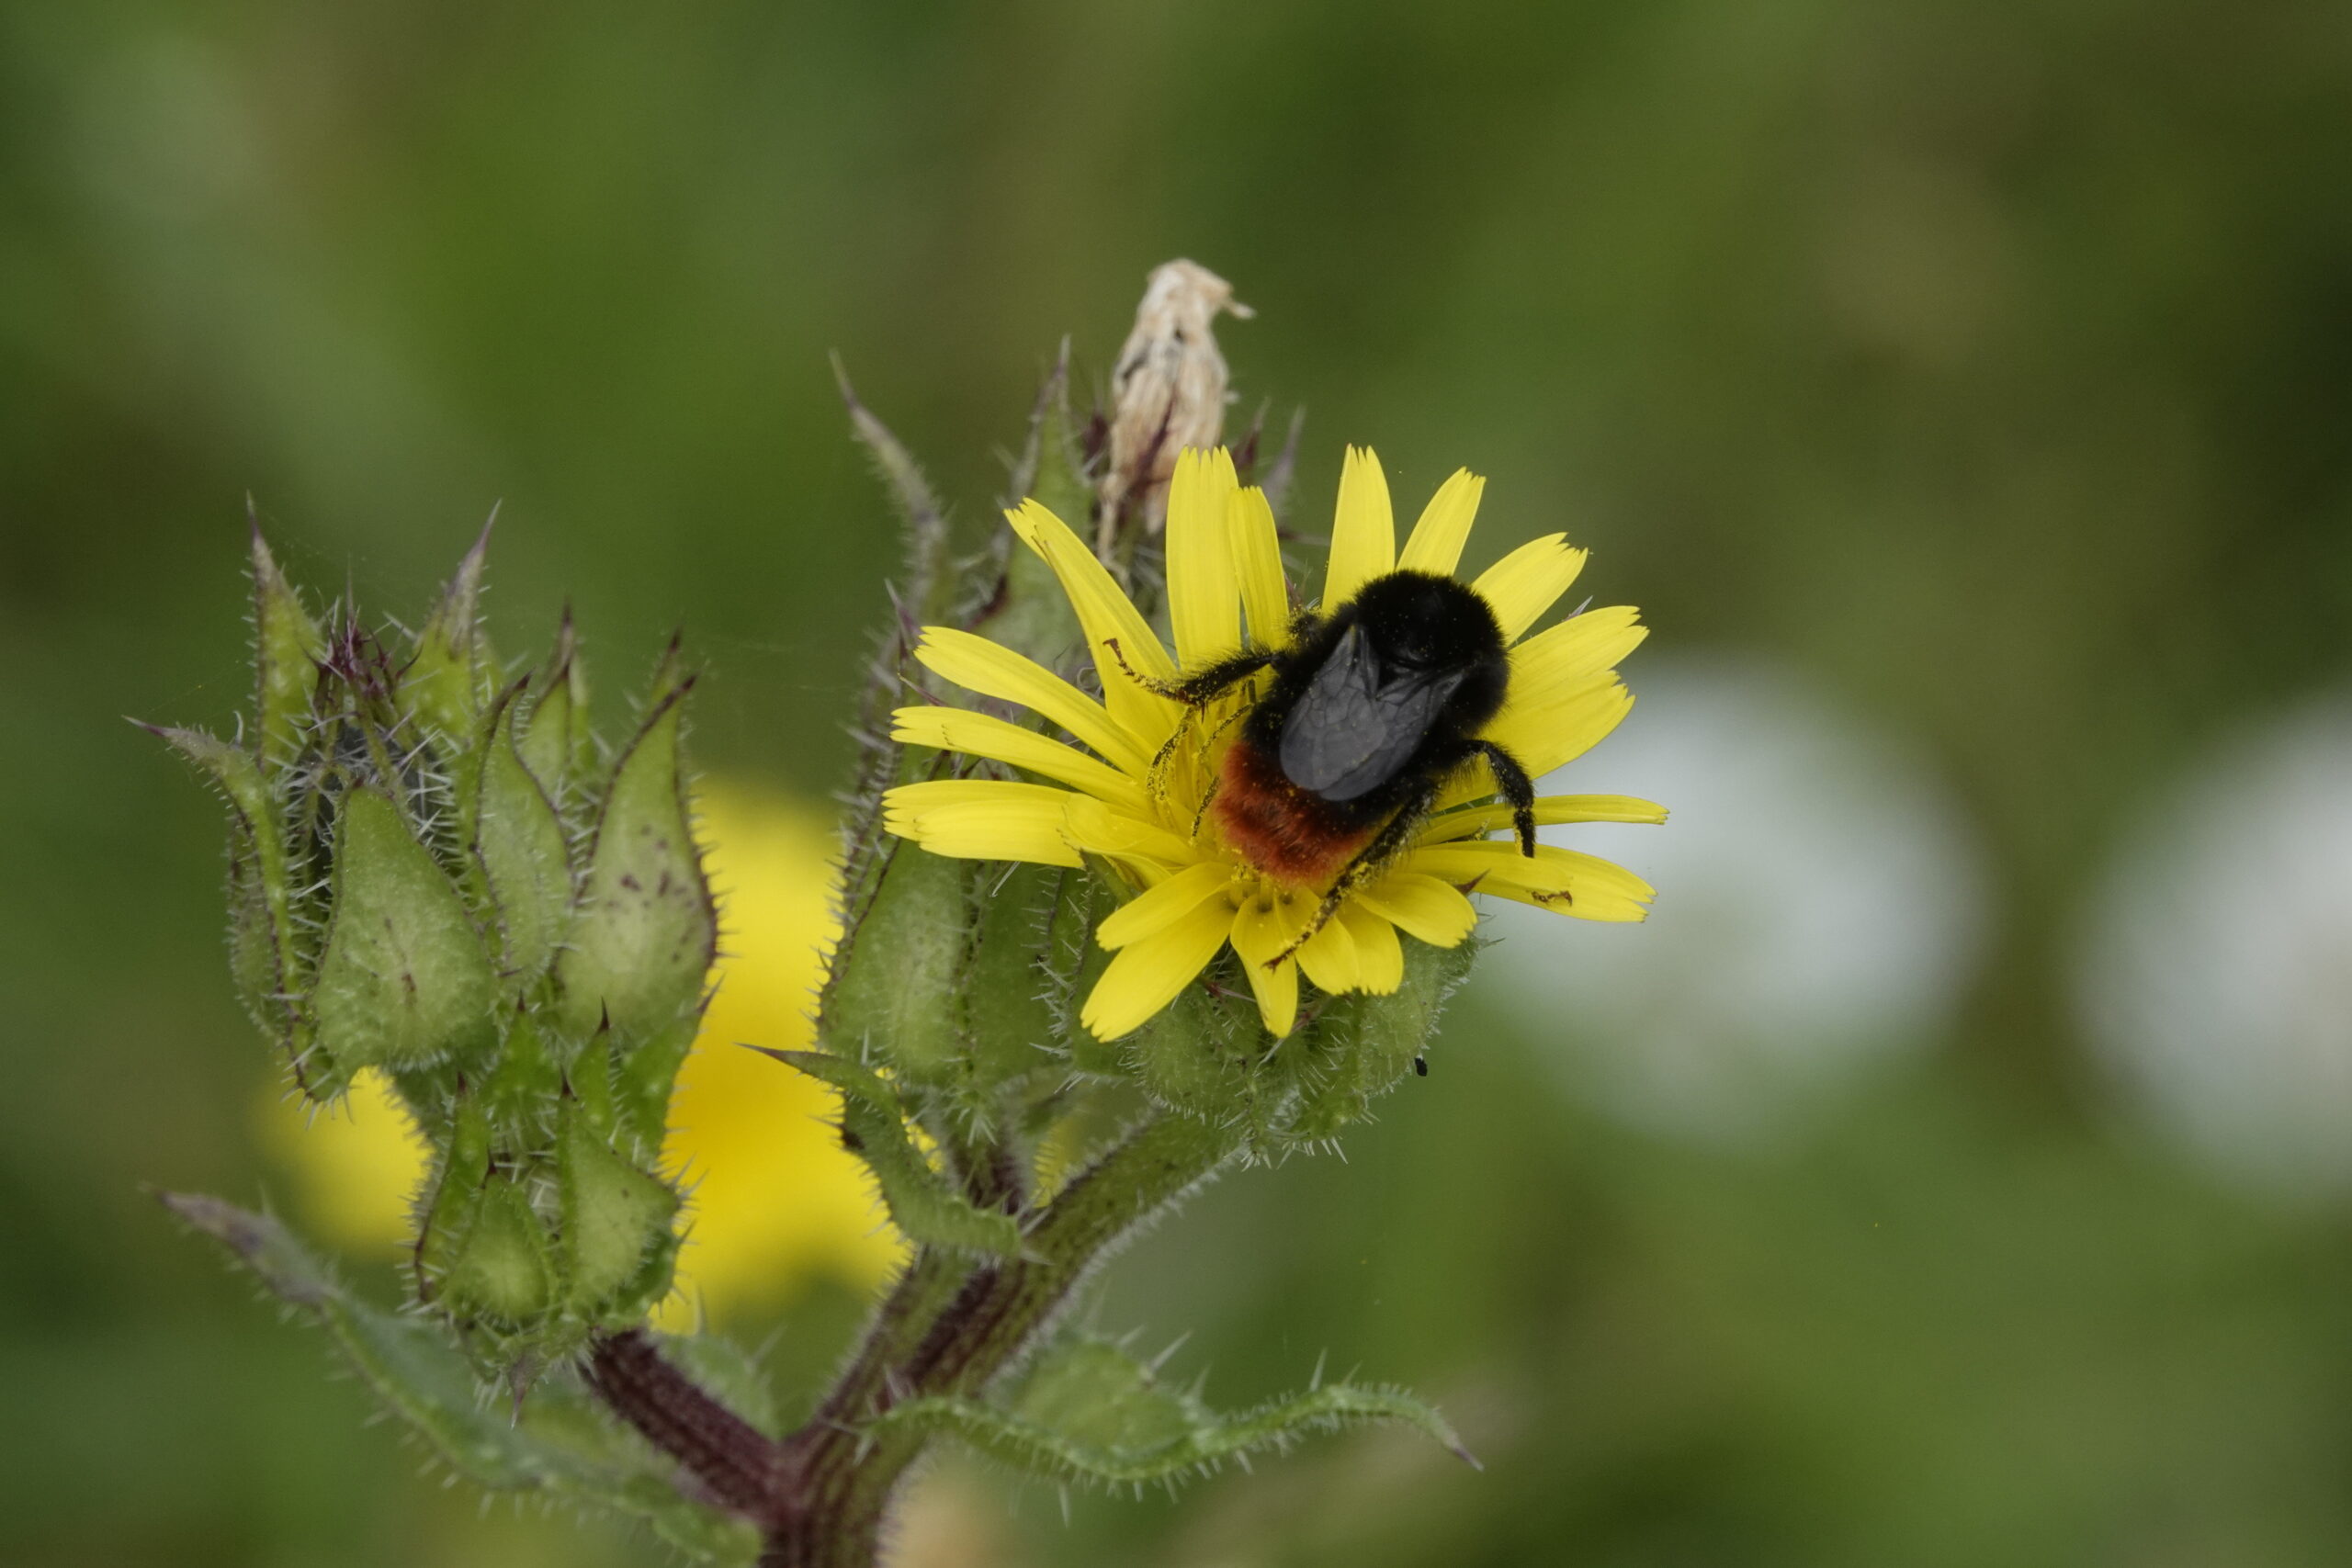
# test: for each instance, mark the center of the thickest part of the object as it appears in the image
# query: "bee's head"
(1419, 621)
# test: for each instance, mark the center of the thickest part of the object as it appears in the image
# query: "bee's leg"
(1516, 787)
(1209, 794)
(1203, 685)
(1369, 860)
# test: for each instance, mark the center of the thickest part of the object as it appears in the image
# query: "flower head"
(1130, 780)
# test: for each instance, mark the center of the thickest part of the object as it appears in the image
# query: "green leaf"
(287, 647)
(613, 1216)
(920, 1201)
(405, 981)
(559, 1445)
(519, 844)
(646, 931)
(1091, 1412)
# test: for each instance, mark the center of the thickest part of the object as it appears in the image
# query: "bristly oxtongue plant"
(1069, 986)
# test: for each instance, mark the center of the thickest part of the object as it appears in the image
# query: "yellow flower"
(1132, 783)
(775, 1200)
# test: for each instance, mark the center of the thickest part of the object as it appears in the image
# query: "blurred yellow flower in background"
(775, 1200)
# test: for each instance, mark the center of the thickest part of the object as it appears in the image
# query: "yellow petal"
(995, 829)
(994, 670)
(905, 806)
(1380, 957)
(1561, 880)
(1528, 582)
(984, 735)
(1422, 905)
(1363, 532)
(1571, 721)
(1258, 933)
(1106, 615)
(1203, 599)
(1572, 653)
(1258, 562)
(1438, 537)
(1105, 830)
(1148, 975)
(1482, 819)
(1148, 914)
(1330, 959)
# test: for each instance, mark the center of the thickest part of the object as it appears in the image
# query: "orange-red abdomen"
(1288, 833)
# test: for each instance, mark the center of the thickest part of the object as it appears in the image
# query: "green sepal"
(589, 1077)
(922, 1203)
(1362, 1046)
(405, 981)
(241, 782)
(519, 845)
(253, 959)
(557, 745)
(1031, 614)
(643, 1081)
(899, 974)
(1077, 962)
(646, 931)
(557, 1445)
(613, 1216)
(1007, 993)
(456, 1191)
(1208, 1057)
(503, 1270)
(928, 585)
(1089, 1412)
(287, 647)
(525, 1086)
(450, 677)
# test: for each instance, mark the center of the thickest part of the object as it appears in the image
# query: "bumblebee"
(1372, 710)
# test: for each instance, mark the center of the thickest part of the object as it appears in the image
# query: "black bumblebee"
(1373, 709)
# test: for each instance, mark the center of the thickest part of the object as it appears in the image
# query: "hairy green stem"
(842, 1477)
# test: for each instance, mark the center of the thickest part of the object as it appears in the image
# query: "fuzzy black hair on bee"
(1373, 708)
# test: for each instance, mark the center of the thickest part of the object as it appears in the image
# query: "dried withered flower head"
(1167, 390)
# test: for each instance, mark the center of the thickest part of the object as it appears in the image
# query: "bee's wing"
(1352, 732)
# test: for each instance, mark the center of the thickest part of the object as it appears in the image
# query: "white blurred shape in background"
(2217, 974)
(1818, 909)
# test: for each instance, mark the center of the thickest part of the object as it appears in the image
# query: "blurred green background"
(1983, 370)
